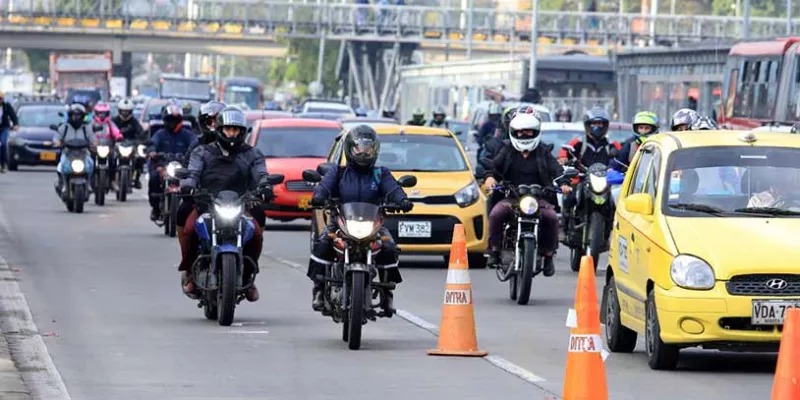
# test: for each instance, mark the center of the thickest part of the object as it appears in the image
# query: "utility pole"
(746, 20)
(534, 44)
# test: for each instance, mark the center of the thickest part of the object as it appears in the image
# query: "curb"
(12, 387)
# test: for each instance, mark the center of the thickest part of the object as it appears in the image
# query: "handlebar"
(335, 203)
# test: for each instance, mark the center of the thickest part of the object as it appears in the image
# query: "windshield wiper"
(766, 211)
(703, 208)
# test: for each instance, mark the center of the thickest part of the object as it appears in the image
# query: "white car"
(327, 108)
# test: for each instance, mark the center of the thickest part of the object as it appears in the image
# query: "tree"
(301, 67)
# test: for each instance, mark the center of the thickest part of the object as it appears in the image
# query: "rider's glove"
(187, 189)
(406, 205)
(265, 193)
(317, 201)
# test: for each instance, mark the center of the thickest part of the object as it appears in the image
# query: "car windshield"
(619, 135)
(347, 125)
(39, 115)
(734, 181)
(242, 94)
(153, 110)
(421, 153)
(325, 110)
(558, 137)
(296, 142)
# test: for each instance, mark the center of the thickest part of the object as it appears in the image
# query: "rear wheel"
(210, 308)
(227, 290)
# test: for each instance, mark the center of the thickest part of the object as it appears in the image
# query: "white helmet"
(525, 122)
(125, 104)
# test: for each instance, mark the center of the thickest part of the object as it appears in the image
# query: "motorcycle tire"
(597, 230)
(100, 190)
(575, 259)
(124, 185)
(525, 277)
(165, 215)
(173, 216)
(226, 305)
(78, 198)
(355, 318)
(512, 287)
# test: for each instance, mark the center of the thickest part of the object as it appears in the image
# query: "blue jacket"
(164, 141)
(350, 186)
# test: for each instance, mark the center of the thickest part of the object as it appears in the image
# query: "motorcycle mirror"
(312, 176)
(568, 148)
(181, 173)
(274, 179)
(54, 127)
(323, 168)
(407, 181)
(571, 173)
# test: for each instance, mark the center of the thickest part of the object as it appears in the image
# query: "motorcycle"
(141, 160)
(170, 198)
(223, 231)
(102, 179)
(75, 191)
(350, 283)
(125, 165)
(590, 226)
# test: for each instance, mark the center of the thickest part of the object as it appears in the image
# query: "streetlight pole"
(469, 5)
(534, 44)
(788, 17)
(746, 20)
(321, 56)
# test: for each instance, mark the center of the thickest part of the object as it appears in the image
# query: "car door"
(624, 243)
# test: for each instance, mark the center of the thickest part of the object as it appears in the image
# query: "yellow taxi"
(704, 244)
(446, 192)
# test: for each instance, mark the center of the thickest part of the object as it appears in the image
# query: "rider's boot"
(252, 294)
(388, 303)
(187, 283)
(59, 184)
(317, 304)
(155, 214)
(549, 267)
(494, 259)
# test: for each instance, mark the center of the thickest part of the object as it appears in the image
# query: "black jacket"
(131, 129)
(212, 169)
(9, 116)
(547, 165)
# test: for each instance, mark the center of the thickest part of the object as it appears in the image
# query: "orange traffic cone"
(585, 377)
(457, 330)
(787, 374)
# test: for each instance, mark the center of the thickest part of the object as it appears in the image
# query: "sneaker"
(317, 303)
(252, 294)
(494, 259)
(549, 268)
(187, 284)
(155, 215)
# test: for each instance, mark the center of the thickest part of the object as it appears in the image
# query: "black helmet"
(231, 117)
(564, 114)
(361, 147)
(208, 116)
(172, 115)
(596, 114)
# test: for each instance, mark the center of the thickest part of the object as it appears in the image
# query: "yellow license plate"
(47, 156)
(303, 202)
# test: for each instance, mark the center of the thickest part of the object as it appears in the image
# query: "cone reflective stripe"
(457, 329)
(787, 374)
(585, 375)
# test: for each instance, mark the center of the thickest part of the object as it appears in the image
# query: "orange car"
(292, 145)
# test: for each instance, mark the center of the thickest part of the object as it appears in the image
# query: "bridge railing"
(375, 22)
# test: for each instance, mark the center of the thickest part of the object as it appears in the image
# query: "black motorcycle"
(590, 226)
(125, 159)
(350, 283)
(170, 197)
(223, 231)
(102, 175)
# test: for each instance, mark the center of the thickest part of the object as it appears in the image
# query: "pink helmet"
(102, 112)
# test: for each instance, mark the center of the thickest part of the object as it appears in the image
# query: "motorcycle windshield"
(598, 169)
(360, 212)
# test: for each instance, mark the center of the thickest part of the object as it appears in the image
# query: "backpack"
(63, 132)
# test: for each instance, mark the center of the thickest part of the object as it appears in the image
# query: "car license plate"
(415, 229)
(302, 202)
(47, 156)
(771, 312)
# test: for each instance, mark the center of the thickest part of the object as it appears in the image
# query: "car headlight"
(690, 272)
(77, 166)
(228, 212)
(598, 183)
(359, 229)
(528, 205)
(140, 150)
(125, 151)
(172, 167)
(468, 195)
(103, 151)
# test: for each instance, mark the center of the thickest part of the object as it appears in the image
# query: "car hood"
(292, 168)
(735, 246)
(38, 133)
(436, 183)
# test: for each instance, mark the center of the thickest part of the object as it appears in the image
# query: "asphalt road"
(105, 284)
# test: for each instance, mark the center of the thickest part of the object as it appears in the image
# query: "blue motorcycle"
(223, 231)
(75, 167)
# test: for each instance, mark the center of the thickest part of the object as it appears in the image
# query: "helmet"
(596, 114)
(418, 113)
(172, 116)
(648, 118)
(564, 114)
(231, 117)
(495, 109)
(439, 114)
(102, 111)
(684, 116)
(361, 112)
(525, 122)
(704, 123)
(207, 117)
(125, 107)
(508, 115)
(388, 113)
(187, 107)
(361, 147)
(76, 114)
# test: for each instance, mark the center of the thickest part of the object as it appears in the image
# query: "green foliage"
(300, 65)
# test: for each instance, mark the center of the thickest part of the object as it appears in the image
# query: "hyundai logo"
(776, 284)
(310, 184)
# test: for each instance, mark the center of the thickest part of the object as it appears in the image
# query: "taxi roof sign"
(748, 137)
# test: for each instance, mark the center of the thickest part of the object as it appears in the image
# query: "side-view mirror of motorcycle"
(312, 176)
(568, 148)
(323, 168)
(181, 173)
(54, 127)
(571, 173)
(275, 179)
(407, 181)
(615, 177)
(458, 133)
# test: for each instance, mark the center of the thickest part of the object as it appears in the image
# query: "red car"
(292, 145)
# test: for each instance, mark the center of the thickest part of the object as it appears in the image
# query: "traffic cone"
(787, 374)
(585, 377)
(457, 330)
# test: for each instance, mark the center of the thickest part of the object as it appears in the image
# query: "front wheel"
(660, 356)
(355, 319)
(78, 198)
(124, 184)
(226, 305)
(173, 216)
(597, 229)
(525, 277)
(100, 189)
(575, 259)
(619, 338)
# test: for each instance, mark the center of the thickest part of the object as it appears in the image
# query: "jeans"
(4, 147)
(154, 189)
(548, 226)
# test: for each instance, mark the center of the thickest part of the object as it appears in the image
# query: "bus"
(237, 90)
(761, 84)
(174, 86)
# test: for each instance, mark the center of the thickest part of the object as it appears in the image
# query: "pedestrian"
(8, 121)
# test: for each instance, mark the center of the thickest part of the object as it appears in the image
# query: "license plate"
(302, 203)
(415, 229)
(47, 156)
(771, 312)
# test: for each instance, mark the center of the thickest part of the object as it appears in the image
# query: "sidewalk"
(11, 385)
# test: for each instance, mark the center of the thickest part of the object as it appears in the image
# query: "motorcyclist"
(106, 130)
(645, 123)
(524, 162)
(186, 107)
(225, 164)
(683, 119)
(172, 138)
(489, 127)
(359, 181)
(361, 112)
(439, 119)
(131, 129)
(564, 114)
(417, 117)
(76, 127)
(389, 114)
(704, 123)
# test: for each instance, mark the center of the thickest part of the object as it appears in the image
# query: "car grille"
(298, 186)
(756, 285)
(435, 200)
(441, 228)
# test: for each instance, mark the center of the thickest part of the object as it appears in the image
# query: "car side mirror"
(407, 181)
(639, 203)
(323, 168)
(312, 176)
(275, 179)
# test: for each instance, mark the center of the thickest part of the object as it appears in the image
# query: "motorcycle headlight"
(598, 183)
(77, 166)
(140, 150)
(125, 151)
(172, 167)
(103, 151)
(228, 212)
(467, 195)
(359, 229)
(690, 272)
(528, 205)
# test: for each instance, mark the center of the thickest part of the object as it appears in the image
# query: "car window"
(642, 168)
(335, 153)
(295, 142)
(558, 137)
(153, 110)
(421, 153)
(39, 116)
(651, 186)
